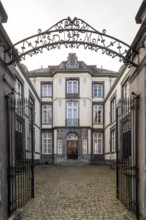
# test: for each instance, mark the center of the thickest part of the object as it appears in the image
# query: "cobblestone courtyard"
(75, 192)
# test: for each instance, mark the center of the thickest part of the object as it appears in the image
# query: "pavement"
(75, 193)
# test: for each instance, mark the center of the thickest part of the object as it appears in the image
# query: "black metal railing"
(23, 182)
(72, 122)
(20, 162)
(127, 153)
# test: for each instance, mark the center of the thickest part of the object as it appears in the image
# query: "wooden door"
(72, 149)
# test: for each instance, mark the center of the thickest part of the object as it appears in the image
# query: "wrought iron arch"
(72, 33)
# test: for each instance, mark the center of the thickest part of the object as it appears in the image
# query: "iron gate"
(127, 153)
(20, 155)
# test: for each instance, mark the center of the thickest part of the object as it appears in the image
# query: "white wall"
(27, 89)
(117, 92)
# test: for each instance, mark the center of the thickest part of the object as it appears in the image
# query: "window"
(47, 143)
(125, 90)
(98, 90)
(46, 90)
(72, 86)
(98, 114)
(60, 132)
(18, 97)
(46, 114)
(113, 110)
(84, 133)
(84, 146)
(60, 144)
(125, 94)
(113, 140)
(18, 89)
(97, 143)
(72, 113)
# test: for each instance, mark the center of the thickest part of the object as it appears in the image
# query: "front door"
(72, 149)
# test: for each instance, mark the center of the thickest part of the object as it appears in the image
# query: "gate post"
(11, 171)
(8, 155)
(137, 155)
(117, 154)
(32, 152)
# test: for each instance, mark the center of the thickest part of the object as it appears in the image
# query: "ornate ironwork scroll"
(72, 33)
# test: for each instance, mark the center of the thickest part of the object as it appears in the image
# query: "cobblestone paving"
(75, 193)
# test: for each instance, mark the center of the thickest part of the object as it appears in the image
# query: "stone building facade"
(72, 111)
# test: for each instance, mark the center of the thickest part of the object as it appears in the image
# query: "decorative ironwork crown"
(72, 33)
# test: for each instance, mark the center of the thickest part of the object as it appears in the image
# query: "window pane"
(113, 140)
(69, 87)
(97, 114)
(47, 143)
(72, 86)
(60, 144)
(47, 90)
(72, 114)
(18, 96)
(95, 90)
(98, 90)
(72, 110)
(46, 114)
(113, 110)
(97, 143)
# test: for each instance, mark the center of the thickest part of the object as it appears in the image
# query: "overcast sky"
(25, 17)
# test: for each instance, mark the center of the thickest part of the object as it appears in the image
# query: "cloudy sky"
(25, 17)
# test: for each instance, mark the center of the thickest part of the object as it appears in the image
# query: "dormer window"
(72, 61)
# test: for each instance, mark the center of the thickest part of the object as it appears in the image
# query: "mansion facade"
(72, 111)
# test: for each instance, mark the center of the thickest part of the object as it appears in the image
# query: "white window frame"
(126, 96)
(97, 114)
(126, 90)
(18, 90)
(98, 90)
(72, 113)
(46, 143)
(113, 140)
(18, 97)
(72, 86)
(46, 90)
(84, 145)
(113, 110)
(46, 114)
(97, 143)
(60, 146)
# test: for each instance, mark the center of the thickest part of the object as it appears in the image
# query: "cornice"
(3, 14)
(141, 13)
(75, 72)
